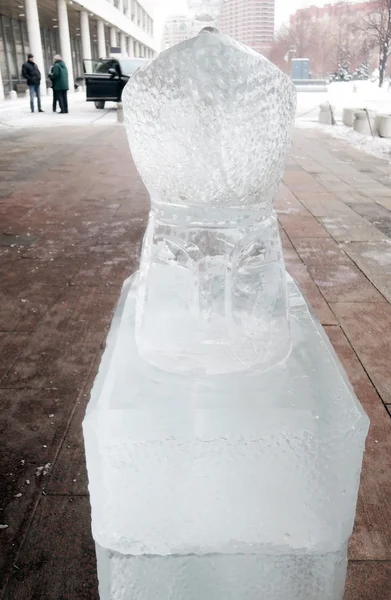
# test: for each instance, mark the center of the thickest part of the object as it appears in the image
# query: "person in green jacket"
(59, 77)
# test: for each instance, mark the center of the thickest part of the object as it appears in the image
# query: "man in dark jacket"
(59, 77)
(31, 73)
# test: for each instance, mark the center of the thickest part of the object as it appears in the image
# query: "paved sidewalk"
(16, 114)
(72, 214)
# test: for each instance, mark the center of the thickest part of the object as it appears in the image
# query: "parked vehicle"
(106, 78)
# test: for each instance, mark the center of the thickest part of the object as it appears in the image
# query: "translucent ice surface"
(223, 440)
(224, 487)
(209, 125)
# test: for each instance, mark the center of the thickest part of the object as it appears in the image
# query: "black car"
(106, 78)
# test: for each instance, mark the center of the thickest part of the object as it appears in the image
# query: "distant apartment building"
(343, 40)
(177, 28)
(331, 11)
(202, 8)
(250, 22)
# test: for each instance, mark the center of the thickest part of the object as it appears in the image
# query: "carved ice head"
(210, 123)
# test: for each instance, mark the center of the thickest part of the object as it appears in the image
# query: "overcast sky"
(284, 8)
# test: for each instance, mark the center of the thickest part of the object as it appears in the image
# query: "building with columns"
(76, 29)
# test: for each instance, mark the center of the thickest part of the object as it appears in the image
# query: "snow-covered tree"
(341, 74)
(378, 26)
(362, 72)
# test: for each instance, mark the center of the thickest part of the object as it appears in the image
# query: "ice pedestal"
(223, 487)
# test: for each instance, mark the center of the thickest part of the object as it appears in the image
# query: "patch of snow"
(342, 95)
(379, 147)
(3, 526)
(44, 470)
(381, 258)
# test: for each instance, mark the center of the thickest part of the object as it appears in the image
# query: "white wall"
(108, 13)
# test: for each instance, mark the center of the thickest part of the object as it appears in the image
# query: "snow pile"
(371, 145)
(352, 94)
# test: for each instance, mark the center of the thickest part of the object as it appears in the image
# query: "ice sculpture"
(223, 446)
(210, 125)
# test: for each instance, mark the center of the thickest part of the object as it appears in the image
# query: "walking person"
(32, 75)
(59, 78)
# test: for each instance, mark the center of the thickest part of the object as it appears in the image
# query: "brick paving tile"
(368, 328)
(385, 202)
(79, 219)
(380, 192)
(32, 425)
(62, 348)
(371, 539)
(286, 202)
(302, 226)
(374, 212)
(23, 310)
(324, 205)
(333, 183)
(321, 252)
(352, 228)
(368, 581)
(69, 475)
(375, 261)
(11, 345)
(344, 283)
(63, 566)
(352, 197)
(311, 292)
(301, 182)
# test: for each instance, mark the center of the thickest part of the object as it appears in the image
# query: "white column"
(1, 88)
(101, 39)
(113, 37)
(121, 6)
(65, 40)
(85, 35)
(35, 43)
(124, 49)
(136, 52)
(131, 49)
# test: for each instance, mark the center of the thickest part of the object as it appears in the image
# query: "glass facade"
(14, 47)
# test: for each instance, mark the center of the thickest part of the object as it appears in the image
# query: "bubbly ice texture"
(210, 124)
(201, 485)
(226, 465)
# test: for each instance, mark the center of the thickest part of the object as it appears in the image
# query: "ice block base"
(267, 574)
(239, 487)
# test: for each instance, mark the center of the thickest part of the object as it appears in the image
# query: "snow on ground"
(357, 94)
(371, 145)
(16, 114)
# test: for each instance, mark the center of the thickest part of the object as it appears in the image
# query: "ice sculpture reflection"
(210, 126)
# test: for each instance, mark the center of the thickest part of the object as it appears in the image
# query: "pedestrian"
(59, 78)
(32, 74)
(55, 98)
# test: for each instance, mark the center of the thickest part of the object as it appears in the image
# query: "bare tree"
(378, 27)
